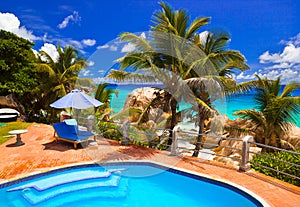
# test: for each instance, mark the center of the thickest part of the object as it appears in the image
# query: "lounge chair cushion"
(71, 132)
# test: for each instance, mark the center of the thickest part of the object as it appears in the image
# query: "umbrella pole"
(76, 114)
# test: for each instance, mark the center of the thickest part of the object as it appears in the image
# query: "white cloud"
(285, 64)
(50, 49)
(244, 77)
(103, 46)
(113, 48)
(266, 57)
(75, 43)
(289, 75)
(290, 53)
(9, 22)
(286, 75)
(280, 66)
(293, 40)
(143, 35)
(73, 18)
(91, 63)
(107, 46)
(203, 36)
(70, 42)
(89, 42)
(86, 72)
(129, 47)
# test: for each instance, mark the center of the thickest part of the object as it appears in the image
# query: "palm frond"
(233, 64)
(204, 109)
(254, 116)
(139, 42)
(105, 113)
(164, 20)
(136, 60)
(238, 130)
(196, 25)
(49, 59)
(288, 89)
(242, 88)
(181, 22)
(130, 76)
(42, 67)
(220, 41)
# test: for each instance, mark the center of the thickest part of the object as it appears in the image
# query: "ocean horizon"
(226, 106)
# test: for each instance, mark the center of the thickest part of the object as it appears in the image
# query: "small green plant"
(277, 165)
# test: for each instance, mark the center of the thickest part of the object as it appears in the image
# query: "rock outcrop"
(227, 148)
(294, 137)
(9, 102)
(140, 98)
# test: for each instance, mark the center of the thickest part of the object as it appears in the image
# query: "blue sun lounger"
(68, 131)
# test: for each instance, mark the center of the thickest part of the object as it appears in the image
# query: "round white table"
(18, 136)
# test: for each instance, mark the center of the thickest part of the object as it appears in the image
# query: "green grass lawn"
(4, 136)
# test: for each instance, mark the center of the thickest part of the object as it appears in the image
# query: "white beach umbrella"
(76, 99)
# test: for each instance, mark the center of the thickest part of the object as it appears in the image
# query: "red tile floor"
(41, 152)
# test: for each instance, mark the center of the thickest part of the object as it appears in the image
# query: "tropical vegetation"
(104, 94)
(16, 65)
(285, 162)
(177, 52)
(275, 109)
(35, 81)
(58, 76)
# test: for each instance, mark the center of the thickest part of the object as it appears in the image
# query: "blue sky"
(267, 32)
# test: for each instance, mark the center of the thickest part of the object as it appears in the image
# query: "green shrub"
(112, 134)
(137, 135)
(109, 130)
(277, 165)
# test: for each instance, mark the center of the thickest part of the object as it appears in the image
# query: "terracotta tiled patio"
(41, 153)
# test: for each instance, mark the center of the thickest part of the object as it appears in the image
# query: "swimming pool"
(122, 184)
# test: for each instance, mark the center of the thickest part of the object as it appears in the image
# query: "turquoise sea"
(227, 106)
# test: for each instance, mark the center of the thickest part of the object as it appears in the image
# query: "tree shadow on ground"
(131, 152)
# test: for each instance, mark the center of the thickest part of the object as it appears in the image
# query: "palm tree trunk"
(199, 138)
(173, 104)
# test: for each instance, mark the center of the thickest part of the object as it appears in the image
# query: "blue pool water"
(126, 184)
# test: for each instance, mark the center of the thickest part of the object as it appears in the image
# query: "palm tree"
(172, 48)
(165, 21)
(58, 77)
(215, 46)
(225, 61)
(104, 95)
(63, 72)
(275, 109)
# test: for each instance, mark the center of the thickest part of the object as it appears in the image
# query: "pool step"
(63, 179)
(34, 196)
(119, 192)
(62, 198)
